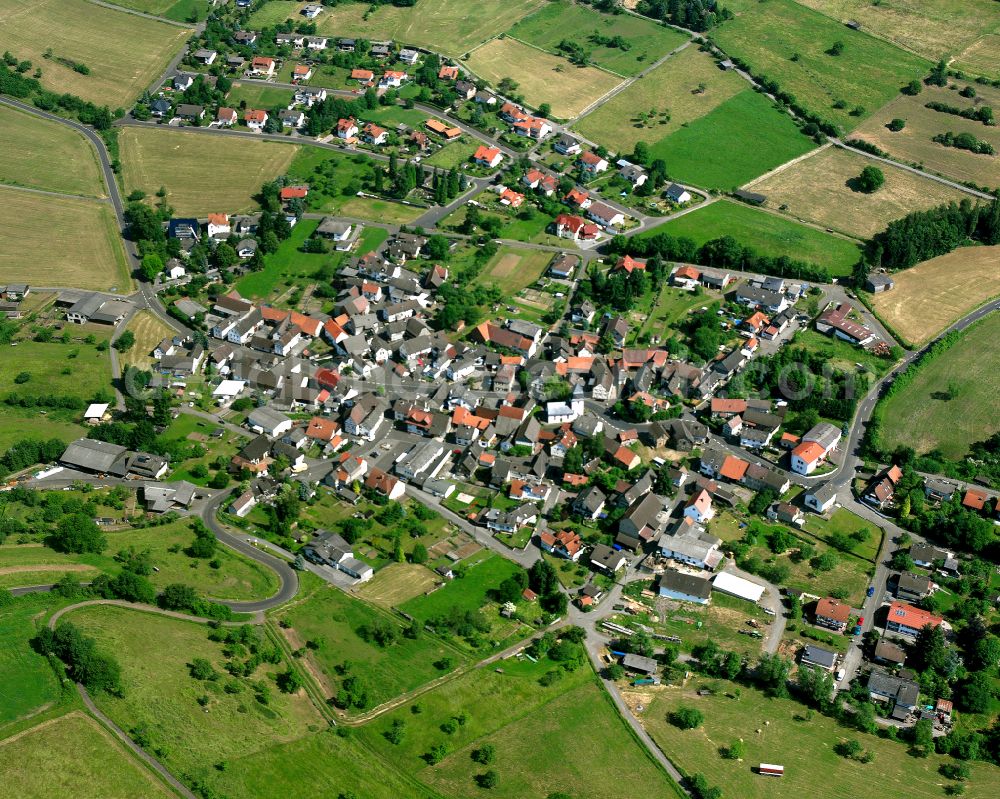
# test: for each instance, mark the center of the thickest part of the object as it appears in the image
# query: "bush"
(686, 718)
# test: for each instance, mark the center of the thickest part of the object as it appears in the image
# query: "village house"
(832, 613)
(488, 156)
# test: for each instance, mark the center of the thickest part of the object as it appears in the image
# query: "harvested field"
(397, 583)
(930, 296)
(931, 28)
(179, 10)
(982, 57)
(867, 74)
(913, 143)
(542, 77)
(40, 154)
(672, 89)
(149, 331)
(450, 27)
(512, 269)
(952, 401)
(152, 158)
(61, 242)
(123, 52)
(817, 189)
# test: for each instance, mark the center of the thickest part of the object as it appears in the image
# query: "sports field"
(931, 295)
(512, 269)
(818, 189)
(46, 155)
(542, 77)
(152, 158)
(931, 28)
(124, 52)
(451, 27)
(656, 105)
(769, 234)
(868, 73)
(61, 241)
(556, 21)
(74, 756)
(803, 747)
(913, 143)
(738, 140)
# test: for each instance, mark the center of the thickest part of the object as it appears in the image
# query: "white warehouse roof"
(737, 586)
(229, 388)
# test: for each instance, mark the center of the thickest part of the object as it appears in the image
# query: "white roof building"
(737, 586)
(228, 389)
(96, 411)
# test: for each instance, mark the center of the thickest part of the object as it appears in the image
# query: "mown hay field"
(819, 189)
(124, 52)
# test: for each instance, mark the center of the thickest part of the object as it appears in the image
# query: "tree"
(125, 341)
(735, 751)
(870, 180)
(488, 779)
(772, 674)
(923, 738)
(201, 669)
(78, 533)
(975, 695)
(132, 587)
(836, 48)
(542, 578)
(289, 681)
(913, 88)
(896, 124)
(485, 754)
(686, 718)
(152, 265)
(178, 596)
(850, 748)
(419, 553)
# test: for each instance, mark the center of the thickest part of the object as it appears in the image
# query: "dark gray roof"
(688, 584)
(818, 656)
(92, 455)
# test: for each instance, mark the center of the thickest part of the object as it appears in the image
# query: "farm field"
(738, 140)
(397, 583)
(913, 143)
(547, 27)
(922, 416)
(804, 748)
(673, 87)
(982, 56)
(385, 211)
(73, 755)
(542, 77)
(326, 612)
(818, 189)
(927, 297)
(160, 693)
(765, 232)
(40, 154)
(868, 73)
(27, 682)
(149, 331)
(931, 28)
(79, 238)
(512, 269)
(124, 52)
(152, 158)
(551, 749)
(451, 27)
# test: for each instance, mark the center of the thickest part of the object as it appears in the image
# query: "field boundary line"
(145, 15)
(782, 167)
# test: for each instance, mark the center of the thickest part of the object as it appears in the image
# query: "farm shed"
(737, 586)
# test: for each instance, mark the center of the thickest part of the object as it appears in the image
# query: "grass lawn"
(736, 141)
(576, 739)
(450, 27)
(195, 429)
(466, 593)
(73, 755)
(818, 190)
(512, 269)
(79, 238)
(453, 155)
(333, 178)
(804, 748)
(323, 611)
(155, 157)
(921, 416)
(913, 144)
(927, 297)
(149, 331)
(76, 370)
(670, 305)
(161, 696)
(839, 353)
(767, 233)
(27, 682)
(868, 73)
(385, 211)
(46, 155)
(844, 522)
(648, 41)
(15, 421)
(287, 265)
(659, 103)
(123, 52)
(258, 96)
(542, 77)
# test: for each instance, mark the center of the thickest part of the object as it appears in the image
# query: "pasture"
(40, 154)
(73, 755)
(451, 27)
(161, 695)
(27, 682)
(541, 76)
(649, 42)
(952, 400)
(931, 28)
(123, 52)
(512, 269)
(14, 420)
(789, 43)
(913, 143)
(61, 241)
(149, 331)
(738, 140)
(931, 295)
(659, 103)
(76, 369)
(177, 160)
(804, 747)
(767, 233)
(819, 189)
